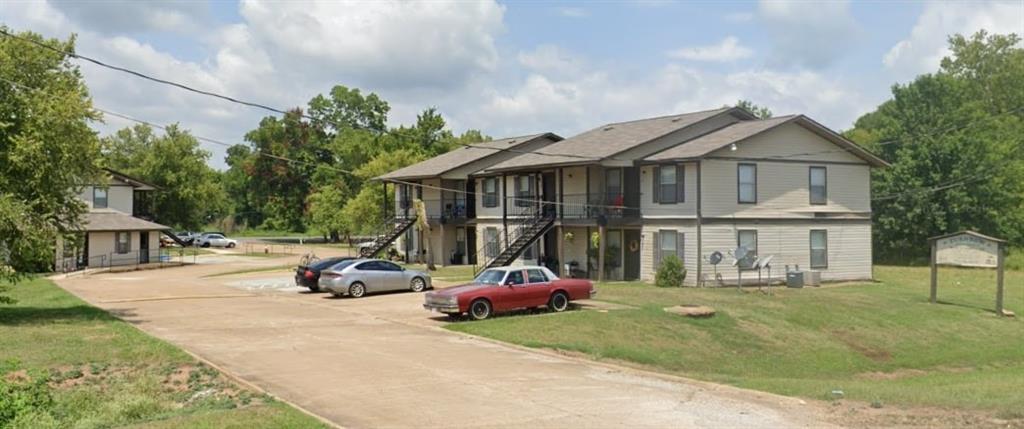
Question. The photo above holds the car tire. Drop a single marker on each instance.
(205, 245)
(559, 302)
(418, 284)
(314, 288)
(231, 245)
(480, 309)
(357, 290)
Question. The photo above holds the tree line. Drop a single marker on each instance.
(958, 163)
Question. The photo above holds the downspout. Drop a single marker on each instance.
(504, 206)
(700, 233)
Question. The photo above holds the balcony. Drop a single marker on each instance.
(594, 206)
(445, 210)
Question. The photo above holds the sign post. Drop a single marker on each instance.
(969, 249)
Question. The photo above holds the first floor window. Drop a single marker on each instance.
(122, 242)
(491, 238)
(99, 198)
(747, 239)
(819, 248)
(669, 242)
(531, 252)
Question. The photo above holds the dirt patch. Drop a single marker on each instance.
(893, 375)
(851, 341)
(863, 415)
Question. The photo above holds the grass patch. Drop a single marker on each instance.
(253, 270)
(450, 273)
(257, 232)
(64, 363)
(875, 341)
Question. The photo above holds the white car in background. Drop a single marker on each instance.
(215, 240)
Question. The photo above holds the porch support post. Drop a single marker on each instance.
(935, 275)
(600, 252)
(384, 209)
(443, 256)
(561, 199)
(1000, 261)
(561, 251)
(700, 234)
(504, 206)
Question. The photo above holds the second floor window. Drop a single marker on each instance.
(819, 185)
(99, 198)
(490, 192)
(746, 179)
(668, 184)
(524, 191)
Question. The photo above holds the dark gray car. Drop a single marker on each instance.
(363, 276)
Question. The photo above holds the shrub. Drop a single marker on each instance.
(20, 398)
(670, 273)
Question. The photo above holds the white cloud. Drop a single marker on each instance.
(573, 12)
(922, 51)
(729, 49)
(122, 16)
(808, 35)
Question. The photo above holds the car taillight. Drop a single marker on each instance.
(330, 275)
(309, 274)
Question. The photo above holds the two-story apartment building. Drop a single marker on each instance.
(688, 185)
(116, 229)
(450, 197)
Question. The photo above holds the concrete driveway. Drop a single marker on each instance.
(382, 361)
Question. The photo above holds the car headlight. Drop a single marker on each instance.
(451, 300)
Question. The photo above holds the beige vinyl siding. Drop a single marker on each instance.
(849, 247)
(575, 250)
(102, 248)
(487, 212)
(690, 254)
(789, 141)
(432, 197)
(783, 189)
(120, 196)
(652, 210)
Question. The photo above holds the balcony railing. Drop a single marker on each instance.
(593, 206)
(437, 209)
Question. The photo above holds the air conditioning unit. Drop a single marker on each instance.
(812, 278)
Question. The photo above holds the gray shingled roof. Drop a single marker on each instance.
(606, 140)
(113, 220)
(734, 133)
(459, 157)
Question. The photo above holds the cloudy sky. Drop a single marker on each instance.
(507, 68)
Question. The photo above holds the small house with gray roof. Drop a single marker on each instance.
(614, 201)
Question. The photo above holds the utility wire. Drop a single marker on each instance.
(396, 132)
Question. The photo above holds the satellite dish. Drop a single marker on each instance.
(715, 258)
(766, 261)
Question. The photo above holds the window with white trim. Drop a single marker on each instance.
(490, 192)
(819, 248)
(747, 238)
(99, 197)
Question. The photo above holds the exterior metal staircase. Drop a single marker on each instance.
(384, 240)
(529, 226)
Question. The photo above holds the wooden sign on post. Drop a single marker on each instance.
(969, 249)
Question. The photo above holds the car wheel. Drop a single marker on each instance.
(205, 245)
(357, 290)
(314, 288)
(559, 302)
(480, 309)
(231, 245)
(417, 284)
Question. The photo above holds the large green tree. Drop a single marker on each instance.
(955, 140)
(189, 194)
(47, 150)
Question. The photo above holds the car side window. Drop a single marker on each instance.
(536, 276)
(388, 266)
(515, 278)
(367, 266)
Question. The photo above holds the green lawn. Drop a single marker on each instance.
(64, 363)
(875, 341)
(451, 273)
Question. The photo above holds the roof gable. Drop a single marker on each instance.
(459, 157)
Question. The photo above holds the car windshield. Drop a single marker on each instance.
(490, 277)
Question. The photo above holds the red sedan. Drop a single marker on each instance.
(509, 288)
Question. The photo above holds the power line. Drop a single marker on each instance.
(397, 132)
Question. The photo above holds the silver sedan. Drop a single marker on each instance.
(359, 277)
